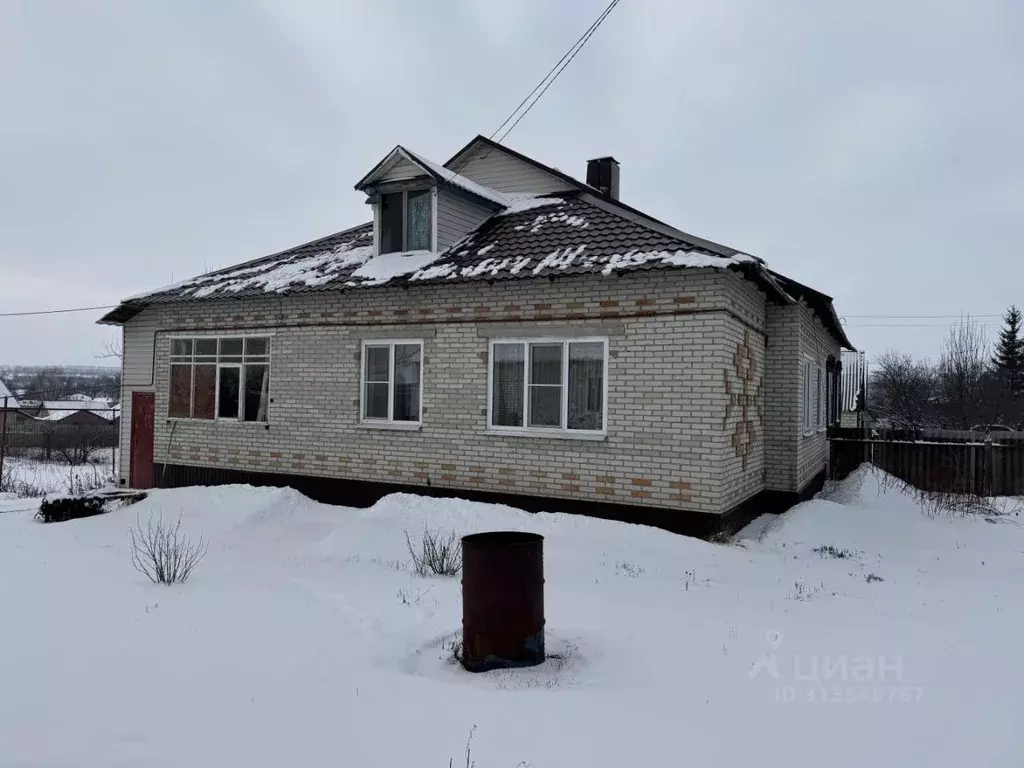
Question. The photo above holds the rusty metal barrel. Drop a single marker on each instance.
(502, 600)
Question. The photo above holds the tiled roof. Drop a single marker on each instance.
(564, 234)
(571, 234)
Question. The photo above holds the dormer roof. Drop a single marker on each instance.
(440, 175)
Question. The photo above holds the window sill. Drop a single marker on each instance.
(412, 426)
(549, 434)
(813, 432)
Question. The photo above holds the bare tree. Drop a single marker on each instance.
(112, 348)
(902, 390)
(961, 377)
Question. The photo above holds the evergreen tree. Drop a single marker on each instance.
(1009, 357)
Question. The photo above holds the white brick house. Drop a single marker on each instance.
(499, 330)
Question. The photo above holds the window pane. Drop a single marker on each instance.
(545, 363)
(586, 385)
(203, 392)
(545, 406)
(375, 401)
(417, 225)
(407, 382)
(227, 407)
(257, 347)
(257, 392)
(206, 347)
(179, 403)
(509, 370)
(377, 363)
(390, 215)
(181, 347)
(231, 350)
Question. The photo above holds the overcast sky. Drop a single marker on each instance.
(871, 149)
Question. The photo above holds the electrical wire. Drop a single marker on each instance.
(580, 42)
(56, 311)
(557, 70)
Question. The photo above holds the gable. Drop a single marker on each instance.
(493, 167)
(402, 169)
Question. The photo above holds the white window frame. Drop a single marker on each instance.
(555, 432)
(806, 365)
(390, 422)
(193, 337)
(819, 409)
(811, 398)
(405, 202)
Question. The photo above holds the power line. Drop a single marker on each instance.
(55, 311)
(553, 74)
(909, 325)
(921, 317)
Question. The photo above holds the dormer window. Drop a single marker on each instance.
(406, 220)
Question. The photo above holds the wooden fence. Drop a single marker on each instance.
(935, 460)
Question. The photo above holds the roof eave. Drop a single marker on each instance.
(121, 314)
(822, 304)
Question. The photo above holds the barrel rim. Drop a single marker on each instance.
(501, 539)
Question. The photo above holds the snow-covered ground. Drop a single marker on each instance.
(302, 639)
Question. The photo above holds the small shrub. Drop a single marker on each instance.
(873, 577)
(803, 593)
(82, 482)
(162, 553)
(633, 571)
(839, 553)
(14, 482)
(66, 508)
(438, 554)
(689, 577)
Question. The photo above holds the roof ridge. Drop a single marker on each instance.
(581, 186)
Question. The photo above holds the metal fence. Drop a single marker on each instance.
(941, 460)
(49, 440)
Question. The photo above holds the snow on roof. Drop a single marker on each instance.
(311, 270)
(520, 203)
(693, 259)
(309, 266)
(541, 219)
(6, 393)
(451, 177)
(380, 269)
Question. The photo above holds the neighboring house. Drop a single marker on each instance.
(499, 331)
(854, 389)
(7, 400)
(76, 409)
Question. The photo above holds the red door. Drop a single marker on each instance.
(140, 470)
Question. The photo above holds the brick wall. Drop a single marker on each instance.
(782, 398)
(675, 397)
(817, 344)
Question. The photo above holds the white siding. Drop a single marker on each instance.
(401, 171)
(505, 173)
(456, 216)
(139, 335)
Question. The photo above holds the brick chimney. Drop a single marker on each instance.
(603, 174)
